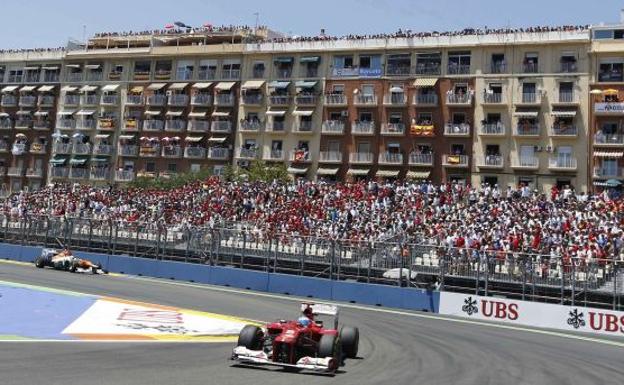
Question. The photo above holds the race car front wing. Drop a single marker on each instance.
(259, 357)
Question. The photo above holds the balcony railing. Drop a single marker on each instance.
(247, 153)
(27, 101)
(102, 149)
(335, 99)
(224, 100)
(361, 157)
(493, 129)
(608, 172)
(455, 160)
(16, 171)
(365, 100)
(59, 172)
(135, 100)
(156, 100)
(179, 100)
(333, 127)
(171, 151)
(34, 173)
(224, 127)
(531, 162)
(393, 129)
(391, 158)
(175, 125)
(201, 100)
(280, 100)
(252, 99)
(71, 100)
(128, 150)
(275, 155)
(603, 139)
(527, 130)
(363, 128)
(494, 161)
(4, 147)
(498, 68)
(562, 163)
(458, 69)
(395, 99)
(425, 99)
(218, 153)
(8, 101)
(101, 173)
(570, 131)
(305, 100)
(420, 159)
(124, 175)
(397, 70)
(330, 157)
(275, 127)
(95, 76)
(207, 74)
(299, 156)
(459, 99)
(568, 67)
(230, 74)
(457, 129)
(82, 149)
(6, 124)
(65, 124)
(23, 124)
(567, 98)
(46, 100)
(51, 77)
(109, 100)
(149, 151)
(531, 98)
(75, 77)
(250, 126)
(530, 68)
(89, 100)
(78, 173)
(195, 152)
(198, 125)
(492, 98)
(86, 124)
(303, 127)
(62, 148)
(153, 125)
(427, 69)
(184, 74)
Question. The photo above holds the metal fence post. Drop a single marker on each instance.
(573, 281)
(486, 284)
(331, 262)
(615, 281)
(478, 277)
(563, 269)
(242, 256)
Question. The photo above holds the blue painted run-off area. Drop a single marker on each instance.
(369, 294)
(31, 313)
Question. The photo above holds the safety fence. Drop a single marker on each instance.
(393, 261)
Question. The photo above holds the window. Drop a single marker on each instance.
(566, 87)
(15, 75)
(459, 62)
(528, 88)
(609, 166)
(258, 70)
(335, 115)
(492, 149)
(618, 34)
(599, 35)
(368, 89)
(490, 180)
(150, 167)
(611, 71)
(498, 63)
(195, 167)
(365, 61)
(276, 145)
(249, 143)
(338, 89)
(568, 62)
(395, 117)
(366, 116)
(425, 119)
(363, 147)
(428, 63)
(231, 69)
(184, 70)
(343, 61)
(142, 67)
(398, 64)
(496, 88)
(457, 149)
(531, 61)
(333, 146)
(609, 128)
(207, 69)
(459, 118)
(172, 167)
(527, 152)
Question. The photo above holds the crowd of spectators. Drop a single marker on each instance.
(36, 50)
(174, 30)
(514, 219)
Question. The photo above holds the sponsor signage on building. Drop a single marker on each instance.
(355, 72)
(525, 313)
(609, 108)
(370, 72)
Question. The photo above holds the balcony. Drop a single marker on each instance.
(62, 148)
(218, 153)
(458, 69)
(493, 98)
(608, 172)
(608, 140)
(459, 99)
(178, 100)
(303, 127)
(335, 100)
(391, 159)
(59, 172)
(100, 173)
(392, 129)
(427, 69)
(455, 161)
(398, 70)
(224, 100)
(221, 126)
(103, 149)
(156, 100)
(564, 131)
(71, 100)
(16, 171)
(175, 125)
(109, 100)
(491, 161)
(195, 152)
(201, 100)
(231, 74)
(34, 173)
(27, 101)
(46, 101)
(527, 130)
(78, 173)
(128, 150)
(251, 99)
(525, 163)
(562, 163)
(134, 100)
(82, 149)
(530, 68)
(566, 99)
(363, 128)
(86, 124)
(184, 74)
(247, 153)
(75, 77)
(330, 157)
(23, 124)
(115, 75)
(4, 147)
(95, 76)
(171, 151)
(365, 100)
(207, 74)
(361, 158)
(89, 100)
(492, 129)
(37, 148)
(498, 67)
(198, 125)
(300, 156)
(395, 99)
(51, 77)
(8, 101)
(306, 100)
(153, 125)
(250, 126)
(333, 127)
(457, 130)
(530, 98)
(280, 100)
(149, 151)
(131, 124)
(124, 175)
(162, 74)
(274, 155)
(428, 100)
(275, 127)
(568, 67)
(415, 159)
(6, 124)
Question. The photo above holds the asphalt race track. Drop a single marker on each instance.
(394, 348)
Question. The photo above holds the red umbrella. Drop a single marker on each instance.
(169, 26)
(208, 25)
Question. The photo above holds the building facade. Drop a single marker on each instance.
(540, 109)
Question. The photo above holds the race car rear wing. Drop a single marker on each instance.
(322, 309)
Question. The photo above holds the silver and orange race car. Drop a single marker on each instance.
(65, 260)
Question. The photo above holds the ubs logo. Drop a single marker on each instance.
(576, 319)
(470, 306)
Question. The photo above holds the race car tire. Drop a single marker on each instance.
(39, 262)
(251, 337)
(350, 338)
(73, 268)
(329, 346)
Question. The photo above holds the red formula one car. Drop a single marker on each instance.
(301, 344)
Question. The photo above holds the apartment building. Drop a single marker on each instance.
(499, 109)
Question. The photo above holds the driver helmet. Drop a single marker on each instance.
(304, 321)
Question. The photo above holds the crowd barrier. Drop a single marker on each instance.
(285, 284)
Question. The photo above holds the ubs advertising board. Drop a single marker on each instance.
(524, 313)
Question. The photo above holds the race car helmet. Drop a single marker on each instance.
(304, 321)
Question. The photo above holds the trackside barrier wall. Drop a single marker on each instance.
(534, 314)
(319, 288)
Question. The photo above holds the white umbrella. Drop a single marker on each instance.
(78, 135)
(394, 273)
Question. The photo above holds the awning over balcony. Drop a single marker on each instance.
(252, 84)
(224, 86)
(305, 84)
(73, 66)
(283, 59)
(276, 112)
(69, 89)
(178, 86)
(195, 114)
(23, 112)
(296, 170)
(31, 68)
(608, 154)
(387, 173)
(358, 171)
(58, 160)
(78, 160)
(100, 159)
(425, 82)
(221, 113)
(41, 113)
(88, 88)
(303, 112)
(110, 87)
(217, 139)
(279, 85)
(327, 171)
(201, 86)
(27, 88)
(66, 113)
(9, 88)
(4, 115)
(563, 114)
(85, 112)
(102, 136)
(156, 86)
(526, 114)
(418, 174)
(152, 112)
(50, 68)
(126, 137)
(310, 59)
(174, 113)
(194, 139)
(45, 88)
(92, 66)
